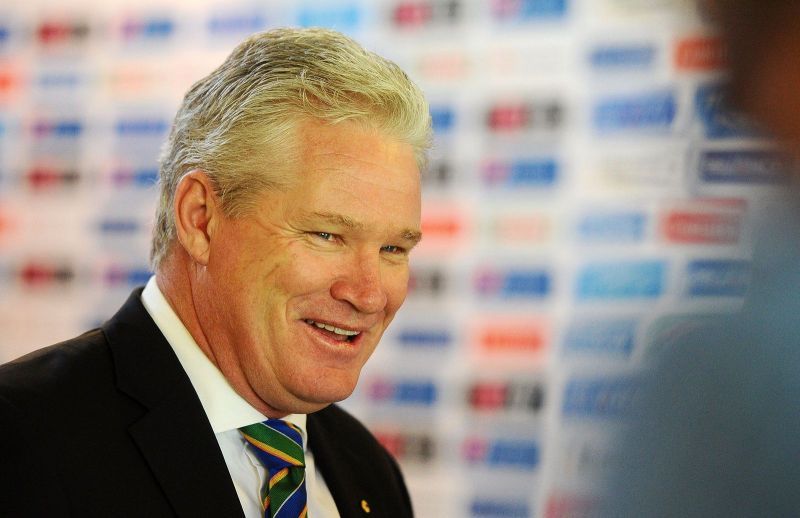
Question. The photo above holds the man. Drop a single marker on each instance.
(290, 200)
(719, 430)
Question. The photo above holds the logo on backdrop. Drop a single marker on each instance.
(614, 397)
(155, 29)
(717, 278)
(612, 58)
(408, 446)
(514, 283)
(420, 338)
(612, 227)
(519, 454)
(648, 111)
(344, 17)
(612, 338)
(418, 14)
(745, 167)
(497, 396)
(493, 508)
(236, 24)
(622, 280)
(405, 392)
(520, 172)
(528, 10)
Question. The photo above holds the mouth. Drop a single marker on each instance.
(336, 333)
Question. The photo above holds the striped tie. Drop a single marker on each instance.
(279, 447)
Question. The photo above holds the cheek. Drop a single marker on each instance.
(396, 286)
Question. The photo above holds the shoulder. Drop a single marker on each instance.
(57, 363)
(59, 377)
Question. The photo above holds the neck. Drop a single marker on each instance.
(177, 278)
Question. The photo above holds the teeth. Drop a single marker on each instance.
(333, 329)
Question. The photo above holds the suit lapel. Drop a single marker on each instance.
(335, 463)
(345, 468)
(173, 435)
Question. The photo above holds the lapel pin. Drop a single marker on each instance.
(365, 506)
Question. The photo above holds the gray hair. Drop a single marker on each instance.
(237, 123)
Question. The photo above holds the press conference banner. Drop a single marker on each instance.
(587, 190)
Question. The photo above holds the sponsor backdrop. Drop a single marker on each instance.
(586, 189)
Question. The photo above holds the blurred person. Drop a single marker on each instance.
(717, 427)
(289, 203)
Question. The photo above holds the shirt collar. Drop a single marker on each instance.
(225, 408)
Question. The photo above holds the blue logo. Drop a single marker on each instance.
(526, 172)
(612, 337)
(513, 453)
(54, 80)
(443, 118)
(404, 392)
(145, 177)
(623, 56)
(118, 275)
(749, 167)
(485, 508)
(141, 127)
(648, 111)
(620, 227)
(718, 278)
(119, 226)
(526, 10)
(149, 29)
(622, 280)
(514, 284)
(344, 18)
(601, 397)
(63, 128)
(236, 24)
(719, 120)
(430, 338)
(5, 34)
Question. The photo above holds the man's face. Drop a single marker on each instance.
(297, 294)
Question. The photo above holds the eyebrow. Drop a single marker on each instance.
(345, 221)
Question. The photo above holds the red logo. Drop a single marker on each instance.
(41, 178)
(8, 80)
(413, 14)
(488, 395)
(56, 32)
(700, 53)
(527, 337)
(567, 506)
(695, 227)
(40, 273)
(509, 117)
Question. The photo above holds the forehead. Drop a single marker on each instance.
(355, 173)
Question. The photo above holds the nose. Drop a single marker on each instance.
(360, 284)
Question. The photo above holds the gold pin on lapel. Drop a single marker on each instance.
(365, 506)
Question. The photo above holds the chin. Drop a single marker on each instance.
(326, 391)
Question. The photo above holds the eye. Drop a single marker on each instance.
(326, 236)
(393, 249)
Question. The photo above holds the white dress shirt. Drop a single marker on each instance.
(227, 412)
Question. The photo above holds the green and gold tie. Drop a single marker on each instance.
(279, 447)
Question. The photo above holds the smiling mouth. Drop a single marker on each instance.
(337, 333)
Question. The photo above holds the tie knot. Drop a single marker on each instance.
(279, 440)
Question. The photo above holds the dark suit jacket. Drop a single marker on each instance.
(108, 424)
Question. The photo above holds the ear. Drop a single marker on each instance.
(196, 211)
